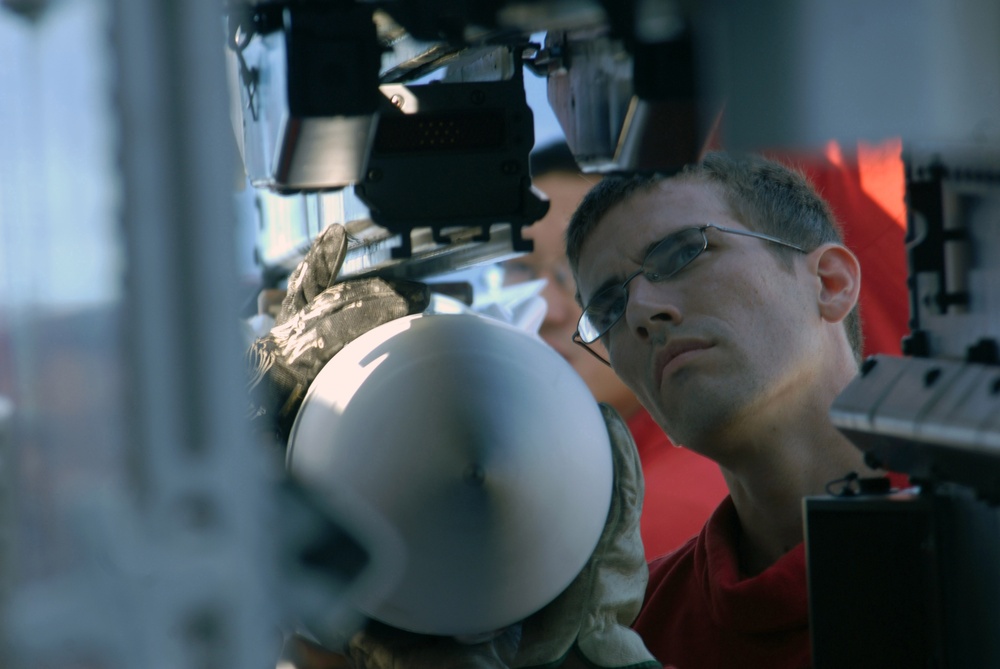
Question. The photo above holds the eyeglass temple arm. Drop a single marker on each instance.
(758, 235)
(579, 341)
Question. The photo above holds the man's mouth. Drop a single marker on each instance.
(674, 354)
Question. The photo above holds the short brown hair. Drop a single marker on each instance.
(764, 195)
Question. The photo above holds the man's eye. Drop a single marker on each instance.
(603, 307)
(686, 253)
(672, 259)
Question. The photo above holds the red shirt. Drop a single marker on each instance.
(700, 612)
(682, 488)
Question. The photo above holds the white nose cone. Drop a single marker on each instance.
(484, 450)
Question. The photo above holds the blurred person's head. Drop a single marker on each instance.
(556, 174)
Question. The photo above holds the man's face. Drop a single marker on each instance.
(720, 345)
(548, 261)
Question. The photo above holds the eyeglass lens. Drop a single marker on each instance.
(663, 261)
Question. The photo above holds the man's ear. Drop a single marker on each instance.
(839, 274)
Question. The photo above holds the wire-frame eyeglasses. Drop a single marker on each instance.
(665, 259)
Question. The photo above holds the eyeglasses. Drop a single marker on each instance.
(668, 257)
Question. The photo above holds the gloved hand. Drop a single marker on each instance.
(318, 317)
(592, 615)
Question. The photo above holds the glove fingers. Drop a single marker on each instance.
(299, 348)
(317, 271)
(341, 314)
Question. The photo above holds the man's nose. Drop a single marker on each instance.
(651, 306)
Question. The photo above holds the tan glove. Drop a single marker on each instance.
(592, 614)
(319, 316)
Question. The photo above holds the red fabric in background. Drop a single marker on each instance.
(865, 187)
